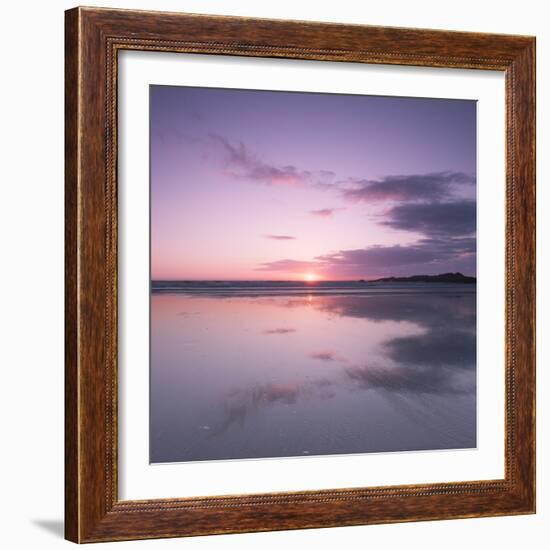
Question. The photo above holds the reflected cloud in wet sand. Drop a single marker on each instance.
(394, 373)
(279, 331)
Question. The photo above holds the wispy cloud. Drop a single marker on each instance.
(280, 237)
(323, 355)
(325, 212)
(241, 163)
(287, 266)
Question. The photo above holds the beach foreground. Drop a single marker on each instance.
(255, 369)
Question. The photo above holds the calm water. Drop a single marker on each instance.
(252, 370)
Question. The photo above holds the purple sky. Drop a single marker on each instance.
(286, 185)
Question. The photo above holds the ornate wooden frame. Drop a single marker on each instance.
(93, 511)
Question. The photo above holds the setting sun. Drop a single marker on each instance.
(310, 277)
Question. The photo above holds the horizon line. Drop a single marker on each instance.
(351, 280)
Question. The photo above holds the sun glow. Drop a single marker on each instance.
(310, 277)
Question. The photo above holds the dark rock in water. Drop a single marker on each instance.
(441, 278)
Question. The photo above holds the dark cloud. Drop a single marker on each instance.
(280, 237)
(426, 187)
(429, 255)
(456, 218)
(448, 226)
(424, 257)
(376, 257)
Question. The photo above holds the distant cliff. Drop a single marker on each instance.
(441, 278)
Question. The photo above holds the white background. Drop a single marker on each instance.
(31, 469)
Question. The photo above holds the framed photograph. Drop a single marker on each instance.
(300, 275)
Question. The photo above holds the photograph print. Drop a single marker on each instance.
(313, 274)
